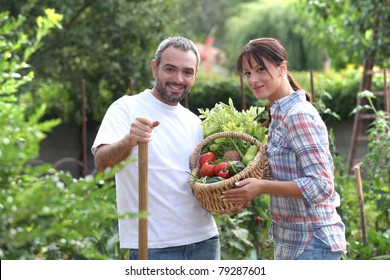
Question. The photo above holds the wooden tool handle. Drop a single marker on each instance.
(143, 200)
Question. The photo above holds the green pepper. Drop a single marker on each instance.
(250, 155)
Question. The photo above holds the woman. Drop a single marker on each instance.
(305, 223)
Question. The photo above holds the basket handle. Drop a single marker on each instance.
(204, 142)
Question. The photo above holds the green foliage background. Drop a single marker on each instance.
(48, 214)
(44, 213)
(108, 42)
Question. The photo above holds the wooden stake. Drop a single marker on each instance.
(143, 200)
(313, 93)
(359, 188)
(243, 97)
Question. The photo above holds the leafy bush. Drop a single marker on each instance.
(376, 165)
(377, 160)
(45, 213)
(245, 235)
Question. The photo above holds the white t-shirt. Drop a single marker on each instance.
(176, 218)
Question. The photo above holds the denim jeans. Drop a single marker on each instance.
(316, 250)
(205, 250)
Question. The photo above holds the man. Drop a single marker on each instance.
(178, 227)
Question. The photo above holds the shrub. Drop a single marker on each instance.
(45, 213)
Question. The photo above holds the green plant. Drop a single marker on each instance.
(234, 237)
(377, 160)
(45, 213)
(245, 235)
(376, 189)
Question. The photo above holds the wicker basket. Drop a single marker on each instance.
(209, 195)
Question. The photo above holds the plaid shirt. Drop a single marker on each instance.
(298, 150)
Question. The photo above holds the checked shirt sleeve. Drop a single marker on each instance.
(308, 138)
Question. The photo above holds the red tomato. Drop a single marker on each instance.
(220, 166)
(207, 169)
(206, 157)
(224, 173)
(258, 219)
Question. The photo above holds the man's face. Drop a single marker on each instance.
(175, 75)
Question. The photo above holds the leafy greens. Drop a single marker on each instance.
(225, 117)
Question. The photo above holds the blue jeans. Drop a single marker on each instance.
(205, 250)
(317, 250)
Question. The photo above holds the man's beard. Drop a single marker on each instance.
(173, 97)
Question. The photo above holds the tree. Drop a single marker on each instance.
(351, 31)
(104, 42)
(276, 19)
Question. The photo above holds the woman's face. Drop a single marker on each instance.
(264, 84)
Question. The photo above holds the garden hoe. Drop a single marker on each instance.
(143, 201)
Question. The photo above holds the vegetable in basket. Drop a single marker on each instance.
(207, 169)
(232, 155)
(235, 166)
(206, 157)
(214, 179)
(222, 170)
(220, 166)
(225, 117)
(250, 155)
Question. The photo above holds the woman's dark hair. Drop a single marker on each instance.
(271, 50)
